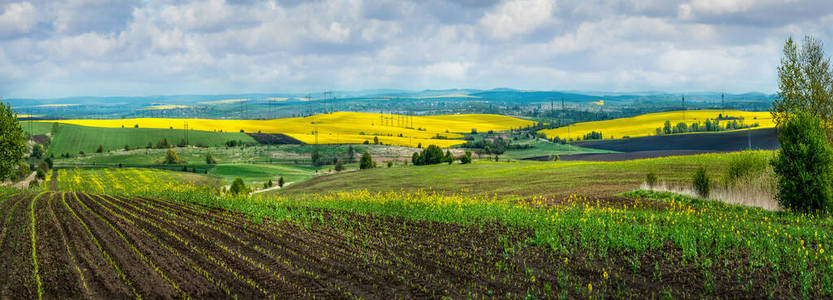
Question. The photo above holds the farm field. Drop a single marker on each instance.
(646, 125)
(128, 180)
(520, 179)
(259, 174)
(73, 138)
(338, 128)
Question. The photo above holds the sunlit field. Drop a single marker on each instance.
(645, 125)
(340, 127)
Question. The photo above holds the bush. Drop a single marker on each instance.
(281, 181)
(651, 179)
(100, 149)
(238, 187)
(40, 174)
(430, 156)
(339, 166)
(209, 159)
(744, 165)
(803, 165)
(555, 157)
(390, 163)
(171, 157)
(702, 182)
(366, 161)
(466, 158)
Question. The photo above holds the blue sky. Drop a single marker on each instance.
(137, 48)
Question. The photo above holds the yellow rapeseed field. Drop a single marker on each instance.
(340, 127)
(645, 125)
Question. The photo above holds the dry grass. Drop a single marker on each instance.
(752, 191)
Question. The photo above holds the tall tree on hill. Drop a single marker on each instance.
(366, 161)
(805, 83)
(12, 144)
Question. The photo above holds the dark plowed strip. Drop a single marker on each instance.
(232, 271)
(18, 280)
(54, 200)
(191, 276)
(265, 273)
(57, 269)
(143, 277)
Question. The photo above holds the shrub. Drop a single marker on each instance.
(651, 179)
(40, 174)
(269, 183)
(209, 159)
(430, 156)
(100, 149)
(366, 161)
(238, 187)
(281, 181)
(171, 157)
(803, 165)
(390, 163)
(744, 165)
(702, 182)
(466, 158)
(339, 166)
(555, 157)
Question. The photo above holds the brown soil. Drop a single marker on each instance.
(123, 247)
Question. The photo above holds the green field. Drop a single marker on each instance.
(36, 128)
(521, 178)
(72, 138)
(257, 174)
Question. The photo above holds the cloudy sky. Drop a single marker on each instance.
(123, 47)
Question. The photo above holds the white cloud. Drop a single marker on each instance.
(17, 19)
(515, 17)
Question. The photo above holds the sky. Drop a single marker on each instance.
(52, 49)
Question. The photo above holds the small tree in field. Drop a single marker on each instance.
(171, 157)
(339, 166)
(281, 181)
(238, 187)
(366, 161)
(803, 165)
(702, 182)
(100, 149)
(209, 159)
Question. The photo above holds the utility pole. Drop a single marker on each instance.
(722, 104)
(186, 133)
(683, 109)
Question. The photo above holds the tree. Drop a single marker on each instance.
(339, 166)
(366, 161)
(37, 151)
(280, 181)
(805, 83)
(126, 147)
(803, 165)
(269, 183)
(238, 187)
(162, 144)
(12, 144)
(375, 140)
(448, 157)
(171, 157)
(316, 157)
(209, 159)
(702, 183)
(351, 153)
(100, 149)
(466, 158)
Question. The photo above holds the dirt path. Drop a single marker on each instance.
(272, 188)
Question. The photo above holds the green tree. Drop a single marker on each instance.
(803, 165)
(702, 182)
(281, 182)
(316, 157)
(366, 161)
(100, 149)
(238, 187)
(209, 159)
(12, 144)
(339, 166)
(171, 157)
(466, 158)
(805, 83)
(37, 151)
(351, 153)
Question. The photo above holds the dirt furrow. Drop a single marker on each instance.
(17, 266)
(141, 276)
(232, 270)
(196, 273)
(56, 266)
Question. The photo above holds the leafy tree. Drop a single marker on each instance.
(366, 161)
(803, 165)
(339, 166)
(805, 83)
(431, 155)
(280, 181)
(12, 144)
(465, 158)
(702, 182)
(316, 157)
(238, 187)
(269, 183)
(209, 159)
(126, 147)
(448, 157)
(390, 163)
(375, 140)
(49, 162)
(37, 151)
(666, 128)
(351, 153)
(171, 157)
(100, 149)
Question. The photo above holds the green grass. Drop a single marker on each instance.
(36, 128)
(262, 173)
(72, 138)
(541, 148)
(522, 179)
